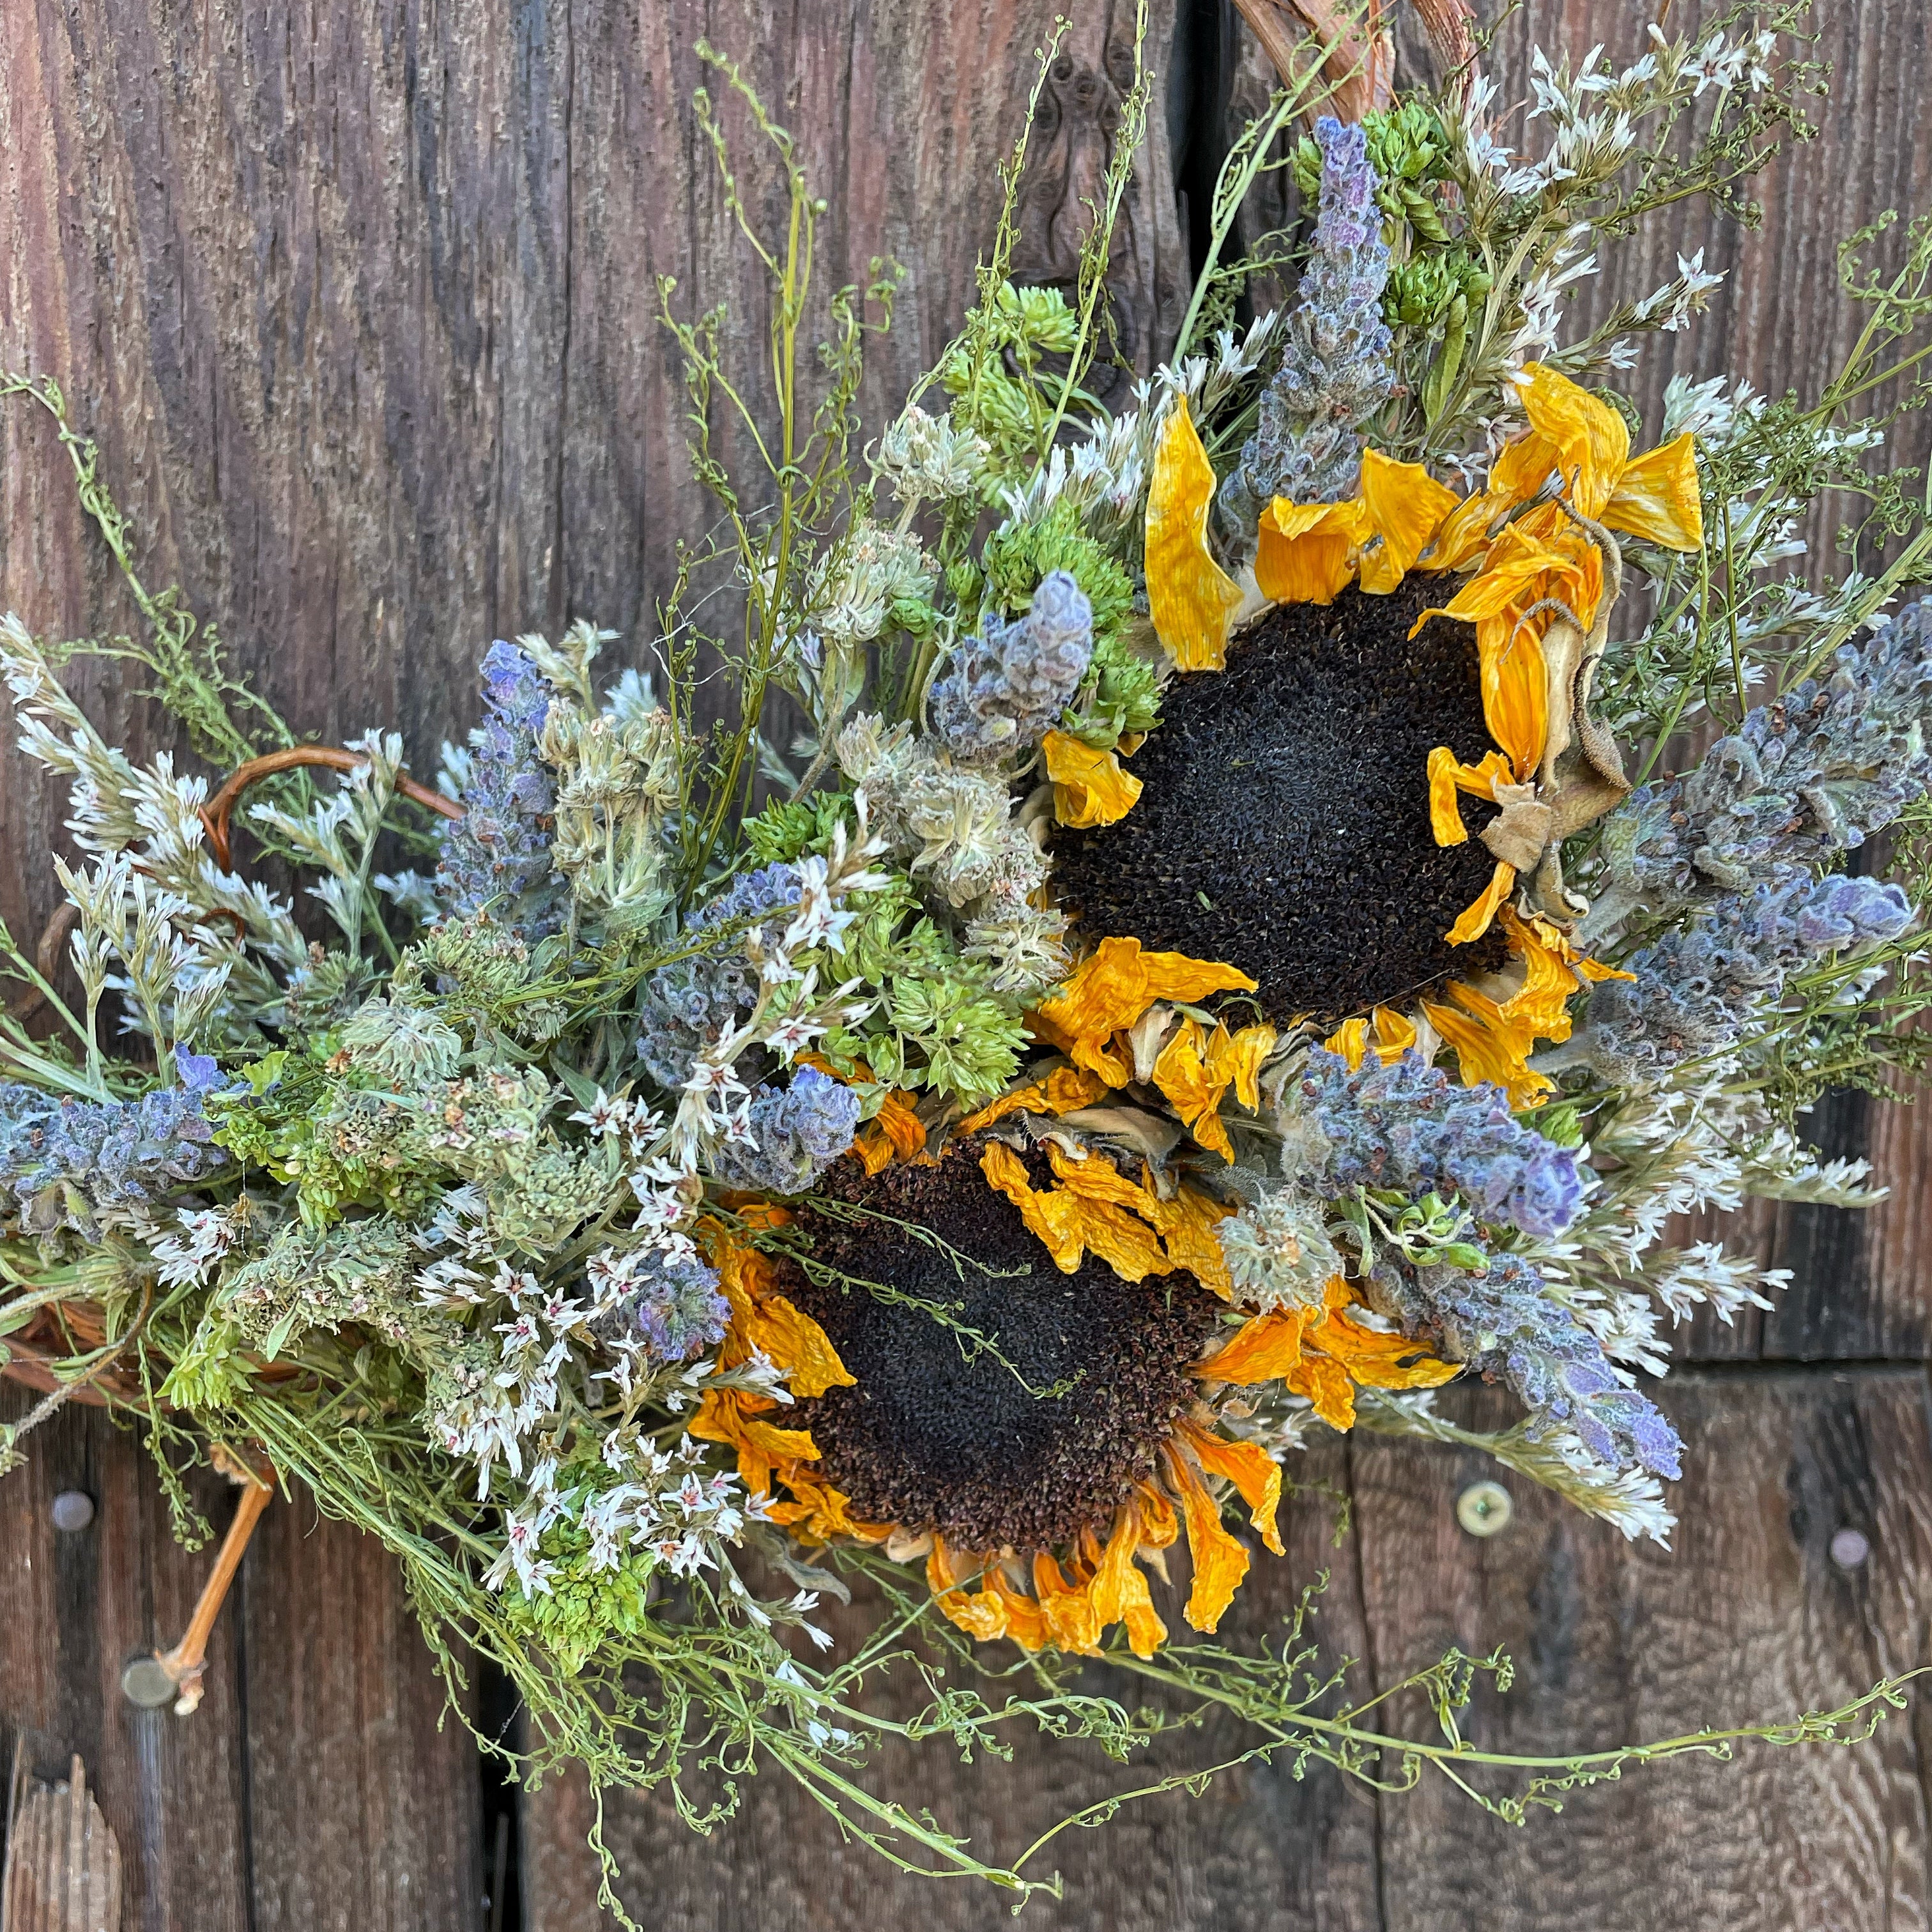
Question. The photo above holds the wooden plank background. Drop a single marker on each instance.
(358, 295)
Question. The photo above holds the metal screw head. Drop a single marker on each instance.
(1849, 1548)
(1483, 1509)
(144, 1682)
(72, 1510)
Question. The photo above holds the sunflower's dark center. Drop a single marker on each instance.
(929, 1438)
(1284, 826)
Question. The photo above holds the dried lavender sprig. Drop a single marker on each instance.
(1506, 1326)
(1814, 773)
(1409, 1128)
(1698, 990)
(691, 1004)
(83, 1166)
(796, 1132)
(1335, 371)
(1005, 688)
(497, 855)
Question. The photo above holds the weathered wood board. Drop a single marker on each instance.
(360, 300)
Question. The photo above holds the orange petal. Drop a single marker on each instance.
(1405, 507)
(1072, 1622)
(1121, 1593)
(1180, 1073)
(1326, 1385)
(1475, 921)
(1173, 975)
(1375, 1358)
(1306, 551)
(1447, 776)
(1063, 1090)
(1089, 786)
(1187, 1226)
(1190, 597)
(1234, 1060)
(1254, 1473)
(1220, 1562)
(1265, 1348)
(1657, 497)
(1516, 689)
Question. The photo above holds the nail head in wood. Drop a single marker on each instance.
(1483, 1509)
(72, 1510)
(1849, 1549)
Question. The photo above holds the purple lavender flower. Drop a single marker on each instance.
(690, 1004)
(1005, 687)
(1409, 1128)
(80, 1165)
(1505, 1324)
(497, 855)
(1816, 773)
(677, 1309)
(797, 1133)
(1696, 989)
(1335, 369)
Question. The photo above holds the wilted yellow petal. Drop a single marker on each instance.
(1657, 497)
(1326, 1385)
(1395, 1034)
(1351, 1040)
(1089, 786)
(796, 1344)
(1376, 1359)
(1190, 597)
(1475, 921)
(1220, 1562)
(1265, 1348)
(1448, 776)
(1584, 438)
(1173, 975)
(1186, 1224)
(1053, 1218)
(1306, 552)
(1180, 1073)
(1405, 506)
(1485, 1053)
(1063, 1090)
(1254, 1473)
(1072, 1624)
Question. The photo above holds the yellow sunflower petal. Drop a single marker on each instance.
(1265, 1348)
(1395, 1034)
(980, 1613)
(1220, 1562)
(1306, 552)
(1180, 1072)
(1448, 775)
(1485, 1053)
(1475, 920)
(1657, 497)
(1173, 975)
(1054, 1218)
(1121, 1593)
(1190, 597)
(1186, 1225)
(1516, 689)
(1089, 786)
(1325, 1383)
(1375, 1358)
(1351, 1040)
(1591, 444)
(1405, 507)
(1254, 1473)
(1063, 1090)
(1234, 1060)
(798, 1345)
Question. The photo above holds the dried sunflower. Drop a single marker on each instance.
(1414, 657)
(1036, 1434)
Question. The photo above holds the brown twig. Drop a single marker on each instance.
(46, 958)
(1358, 60)
(182, 1665)
(216, 814)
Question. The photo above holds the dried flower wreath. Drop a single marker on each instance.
(1221, 956)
